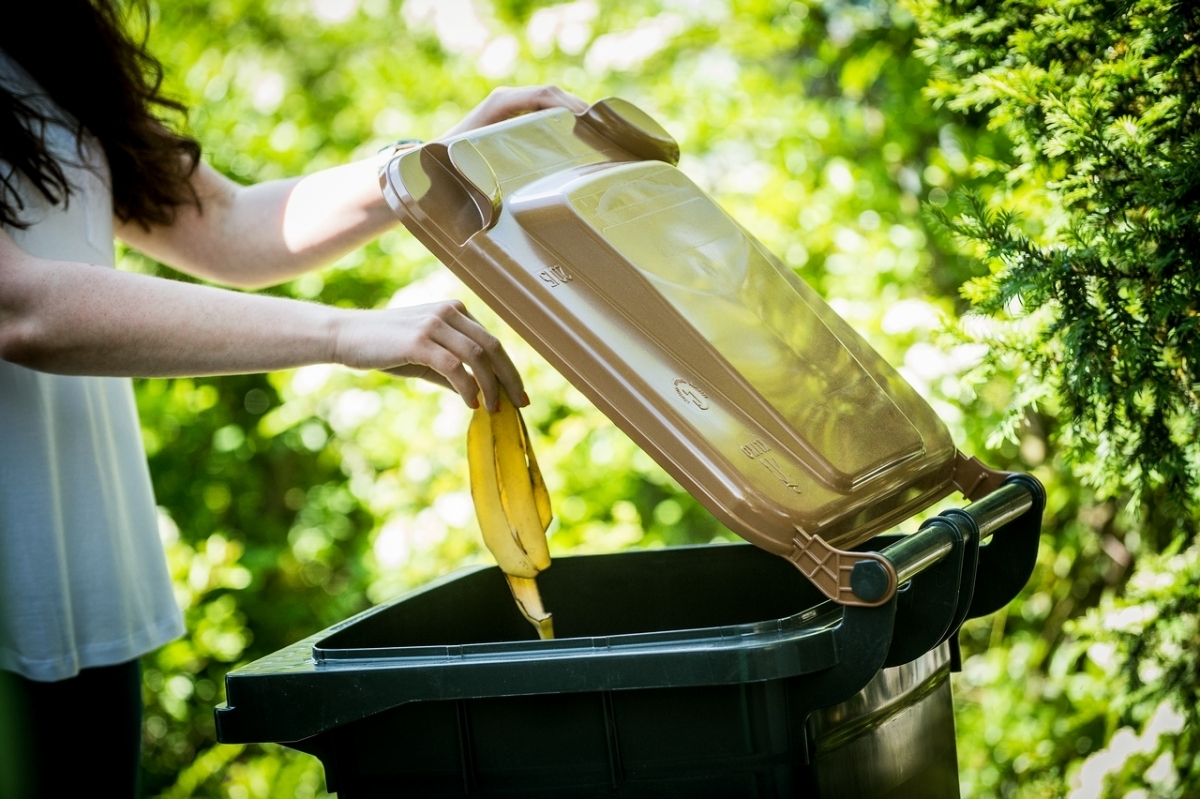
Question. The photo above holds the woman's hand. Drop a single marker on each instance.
(435, 342)
(505, 102)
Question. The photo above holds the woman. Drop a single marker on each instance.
(84, 589)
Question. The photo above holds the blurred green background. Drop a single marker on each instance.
(292, 500)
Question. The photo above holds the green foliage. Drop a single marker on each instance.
(1090, 232)
(1149, 636)
(1099, 101)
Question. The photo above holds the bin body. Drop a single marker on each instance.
(683, 672)
(719, 671)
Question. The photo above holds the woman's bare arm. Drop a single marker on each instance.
(75, 318)
(255, 236)
(260, 235)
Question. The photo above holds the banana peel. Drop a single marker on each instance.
(512, 504)
(514, 467)
(529, 601)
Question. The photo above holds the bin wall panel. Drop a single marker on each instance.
(553, 741)
(910, 754)
(419, 739)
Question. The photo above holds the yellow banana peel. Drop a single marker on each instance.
(511, 447)
(511, 503)
(540, 495)
(529, 601)
(498, 534)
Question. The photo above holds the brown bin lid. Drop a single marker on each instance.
(713, 356)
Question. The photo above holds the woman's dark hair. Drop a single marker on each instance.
(82, 54)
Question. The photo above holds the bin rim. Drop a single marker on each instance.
(260, 696)
(814, 619)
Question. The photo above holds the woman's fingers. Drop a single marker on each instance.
(506, 102)
(485, 355)
(440, 342)
(535, 98)
(420, 372)
(467, 352)
(455, 378)
(447, 351)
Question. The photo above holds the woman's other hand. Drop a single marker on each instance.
(505, 102)
(435, 342)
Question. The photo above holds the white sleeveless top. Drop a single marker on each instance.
(83, 578)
